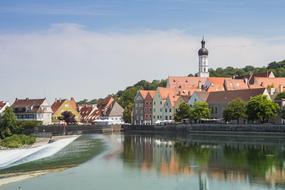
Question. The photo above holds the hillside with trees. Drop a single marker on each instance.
(278, 68)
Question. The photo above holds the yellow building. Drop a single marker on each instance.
(62, 105)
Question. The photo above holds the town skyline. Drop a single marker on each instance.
(88, 51)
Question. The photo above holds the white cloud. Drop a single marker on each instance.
(69, 60)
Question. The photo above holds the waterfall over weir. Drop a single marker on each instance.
(14, 157)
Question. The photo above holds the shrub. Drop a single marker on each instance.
(16, 141)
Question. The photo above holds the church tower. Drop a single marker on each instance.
(203, 60)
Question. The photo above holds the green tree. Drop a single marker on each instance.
(282, 113)
(68, 117)
(235, 110)
(280, 96)
(261, 108)
(183, 112)
(200, 110)
(127, 114)
(8, 123)
(127, 96)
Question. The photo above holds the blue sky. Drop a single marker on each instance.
(219, 17)
(89, 49)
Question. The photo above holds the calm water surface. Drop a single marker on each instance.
(153, 162)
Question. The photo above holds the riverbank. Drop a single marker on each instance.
(11, 178)
(265, 129)
(39, 141)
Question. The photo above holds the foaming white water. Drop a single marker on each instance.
(14, 157)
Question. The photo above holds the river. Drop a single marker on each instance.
(157, 161)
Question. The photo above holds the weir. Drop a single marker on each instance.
(14, 157)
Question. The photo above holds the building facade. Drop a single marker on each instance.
(109, 112)
(158, 102)
(62, 105)
(148, 104)
(218, 101)
(33, 110)
(138, 116)
(199, 96)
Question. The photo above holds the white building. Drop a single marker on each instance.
(33, 110)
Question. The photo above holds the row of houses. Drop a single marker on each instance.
(108, 112)
(157, 106)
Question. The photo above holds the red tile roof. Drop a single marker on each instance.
(266, 74)
(56, 105)
(164, 92)
(173, 99)
(152, 93)
(227, 96)
(217, 84)
(264, 82)
(185, 82)
(145, 92)
(203, 95)
(107, 102)
(2, 104)
(33, 104)
(235, 84)
(85, 112)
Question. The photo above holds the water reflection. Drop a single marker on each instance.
(254, 161)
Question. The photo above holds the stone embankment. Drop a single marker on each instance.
(210, 128)
(46, 130)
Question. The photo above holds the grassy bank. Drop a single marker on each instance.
(16, 141)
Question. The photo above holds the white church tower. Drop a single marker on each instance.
(203, 60)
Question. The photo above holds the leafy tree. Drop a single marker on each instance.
(278, 69)
(8, 123)
(280, 96)
(235, 110)
(282, 113)
(183, 112)
(126, 97)
(261, 108)
(200, 110)
(127, 114)
(86, 101)
(68, 117)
